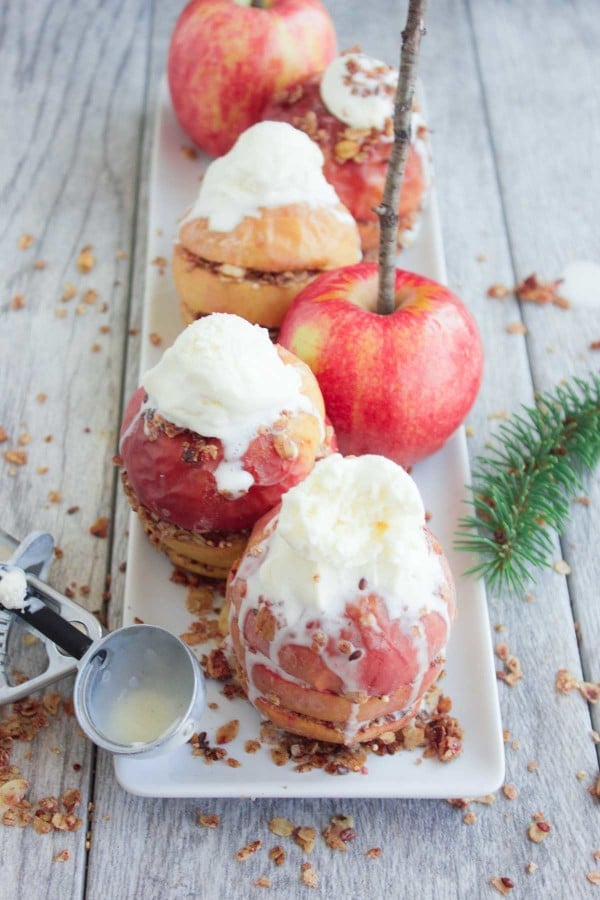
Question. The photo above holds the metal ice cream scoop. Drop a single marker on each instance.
(139, 690)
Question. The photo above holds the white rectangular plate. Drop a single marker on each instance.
(150, 596)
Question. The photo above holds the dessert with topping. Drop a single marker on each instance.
(340, 608)
(265, 223)
(348, 111)
(221, 427)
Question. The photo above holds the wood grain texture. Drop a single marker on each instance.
(71, 92)
(81, 95)
(424, 844)
(545, 143)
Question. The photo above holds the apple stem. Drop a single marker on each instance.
(259, 4)
(388, 210)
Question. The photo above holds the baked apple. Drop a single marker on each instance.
(348, 110)
(221, 427)
(340, 608)
(264, 225)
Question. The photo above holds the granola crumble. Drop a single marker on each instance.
(277, 855)
(308, 875)
(502, 884)
(248, 851)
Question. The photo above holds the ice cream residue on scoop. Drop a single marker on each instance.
(13, 588)
(223, 378)
(271, 164)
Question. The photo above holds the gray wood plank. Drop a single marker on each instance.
(427, 850)
(71, 94)
(544, 102)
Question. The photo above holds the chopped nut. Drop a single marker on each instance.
(339, 832)
(562, 567)
(155, 338)
(15, 457)
(252, 746)
(594, 876)
(532, 766)
(509, 791)
(100, 527)
(346, 149)
(55, 497)
(281, 827)
(90, 296)
(305, 837)
(12, 792)
(565, 682)
(69, 291)
(277, 855)
(279, 756)
(199, 599)
(498, 291)
(228, 732)
(538, 832)
(516, 328)
(502, 884)
(308, 875)
(86, 259)
(248, 851)
(17, 302)
(208, 820)
(51, 702)
(533, 290)
(531, 867)
(263, 881)
(25, 241)
(63, 856)
(470, 818)
(374, 852)
(189, 152)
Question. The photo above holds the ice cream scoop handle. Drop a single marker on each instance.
(56, 629)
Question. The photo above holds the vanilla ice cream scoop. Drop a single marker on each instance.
(271, 164)
(359, 90)
(352, 520)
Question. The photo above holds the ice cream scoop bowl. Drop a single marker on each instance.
(138, 691)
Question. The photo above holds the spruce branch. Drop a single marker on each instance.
(521, 492)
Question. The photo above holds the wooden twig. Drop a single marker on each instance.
(388, 210)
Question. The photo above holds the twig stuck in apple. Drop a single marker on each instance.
(388, 210)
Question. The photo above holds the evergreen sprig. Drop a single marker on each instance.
(521, 492)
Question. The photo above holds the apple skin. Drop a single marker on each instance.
(398, 384)
(226, 60)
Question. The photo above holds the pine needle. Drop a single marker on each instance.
(522, 490)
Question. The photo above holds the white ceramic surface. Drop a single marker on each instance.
(470, 680)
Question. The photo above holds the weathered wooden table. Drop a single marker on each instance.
(514, 108)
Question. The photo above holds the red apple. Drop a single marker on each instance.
(227, 58)
(397, 385)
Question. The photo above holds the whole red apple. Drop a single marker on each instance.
(228, 57)
(397, 384)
